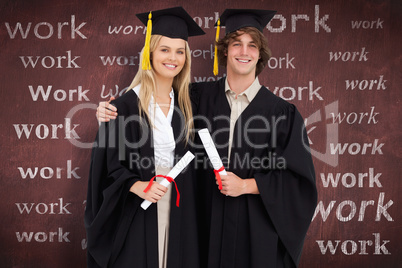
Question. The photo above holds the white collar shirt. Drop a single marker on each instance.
(163, 138)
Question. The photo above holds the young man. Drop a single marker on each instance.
(261, 215)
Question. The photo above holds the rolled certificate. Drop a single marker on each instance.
(212, 153)
(176, 170)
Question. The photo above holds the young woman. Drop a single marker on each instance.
(149, 136)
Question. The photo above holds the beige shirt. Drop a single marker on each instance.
(239, 104)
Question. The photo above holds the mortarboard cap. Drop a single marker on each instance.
(172, 22)
(235, 19)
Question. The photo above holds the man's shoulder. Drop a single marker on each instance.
(277, 103)
(202, 91)
(207, 86)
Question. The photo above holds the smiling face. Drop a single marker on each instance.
(169, 57)
(242, 56)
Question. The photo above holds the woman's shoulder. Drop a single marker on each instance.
(126, 101)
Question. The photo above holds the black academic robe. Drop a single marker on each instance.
(268, 229)
(119, 232)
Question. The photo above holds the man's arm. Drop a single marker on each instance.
(106, 111)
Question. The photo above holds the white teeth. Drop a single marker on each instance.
(244, 61)
(170, 66)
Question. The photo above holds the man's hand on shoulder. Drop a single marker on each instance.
(106, 111)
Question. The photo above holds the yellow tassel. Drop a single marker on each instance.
(216, 48)
(146, 62)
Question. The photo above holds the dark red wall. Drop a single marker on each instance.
(320, 50)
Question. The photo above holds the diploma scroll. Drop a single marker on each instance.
(176, 170)
(212, 153)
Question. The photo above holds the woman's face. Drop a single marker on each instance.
(169, 57)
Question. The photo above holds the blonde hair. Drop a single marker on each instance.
(180, 85)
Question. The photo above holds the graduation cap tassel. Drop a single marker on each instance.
(146, 62)
(218, 28)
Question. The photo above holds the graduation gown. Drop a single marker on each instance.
(119, 232)
(266, 229)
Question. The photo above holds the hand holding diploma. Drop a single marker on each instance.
(176, 170)
(213, 155)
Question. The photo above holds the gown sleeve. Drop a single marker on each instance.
(194, 97)
(289, 192)
(108, 188)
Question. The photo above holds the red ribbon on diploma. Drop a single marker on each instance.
(170, 179)
(218, 176)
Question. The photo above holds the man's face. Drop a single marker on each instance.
(242, 56)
